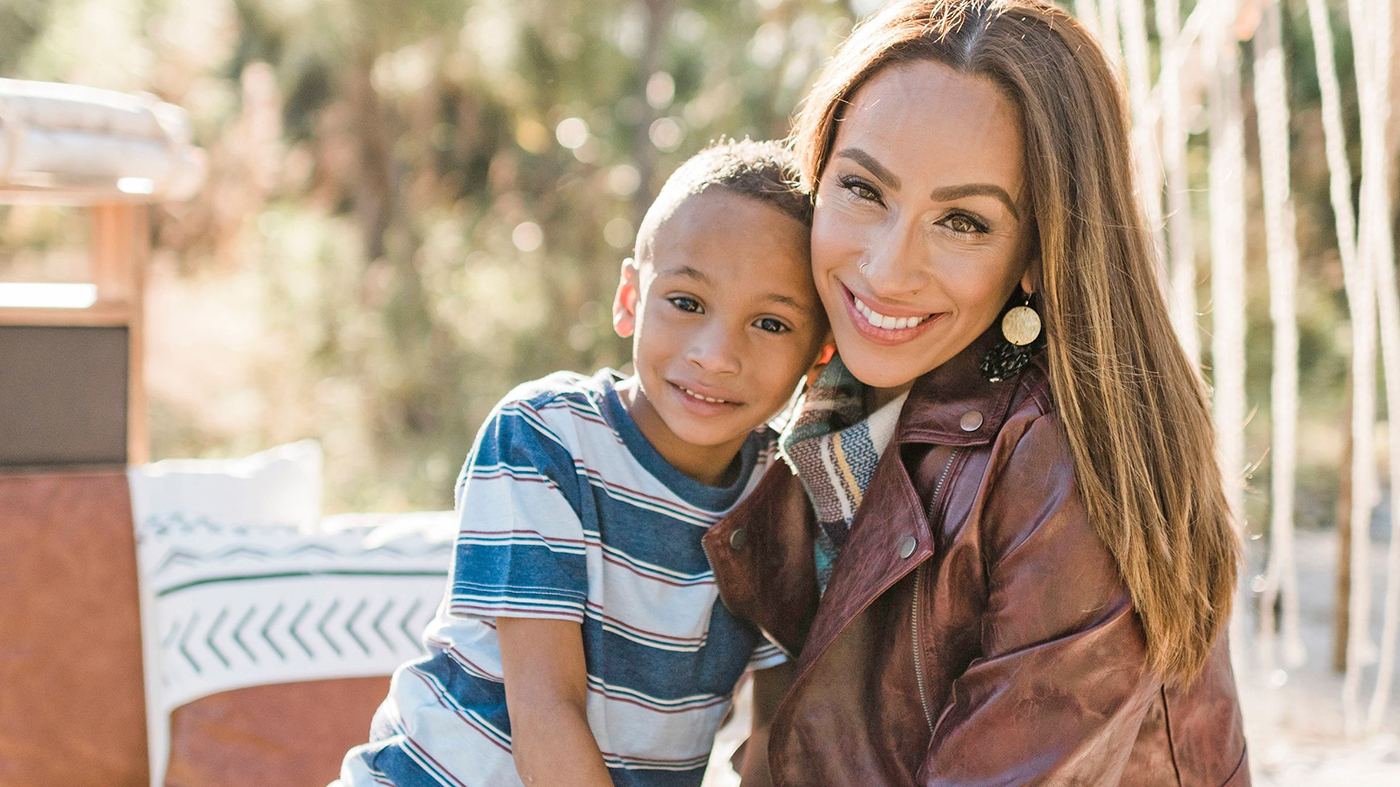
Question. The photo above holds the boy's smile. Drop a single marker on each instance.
(725, 320)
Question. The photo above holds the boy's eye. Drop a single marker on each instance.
(685, 304)
(771, 325)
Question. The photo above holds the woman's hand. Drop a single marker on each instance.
(547, 698)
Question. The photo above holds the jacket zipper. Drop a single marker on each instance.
(918, 593)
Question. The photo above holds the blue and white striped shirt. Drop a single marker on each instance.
(568, 513)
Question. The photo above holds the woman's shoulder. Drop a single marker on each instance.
(1031, 438)
(1028, 491)
(1033, 397)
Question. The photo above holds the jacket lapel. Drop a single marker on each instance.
(949, 408)
(762, 556)
(889, 537)
(954, 404)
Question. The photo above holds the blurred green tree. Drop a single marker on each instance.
(413, 206)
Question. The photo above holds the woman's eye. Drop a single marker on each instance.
(685, 304)
(859, 189)
(963, 224)
(771, 325)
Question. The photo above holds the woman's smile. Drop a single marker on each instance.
(885, 325)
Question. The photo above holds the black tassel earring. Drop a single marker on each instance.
(1022, 338)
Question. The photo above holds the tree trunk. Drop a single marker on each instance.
(1087, 11)
(1377, 171)
(1227, 276)
(1342, 603)
(1109, 31)
(658, 19)
(1271, 100)
(1353, 503)
(1145, 151)
(373, 184)
(1361, 293)
(1180, 232)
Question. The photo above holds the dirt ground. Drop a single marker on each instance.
(1293, 718)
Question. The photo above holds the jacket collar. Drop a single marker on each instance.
(955, 404)
(951, 407)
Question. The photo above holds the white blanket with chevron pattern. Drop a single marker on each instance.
(264, 596)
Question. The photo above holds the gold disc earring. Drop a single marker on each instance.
(1021, 325)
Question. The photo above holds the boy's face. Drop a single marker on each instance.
(724, 320)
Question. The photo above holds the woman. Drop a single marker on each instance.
(1020, 565)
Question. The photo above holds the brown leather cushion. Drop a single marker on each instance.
(286, 735)
(72, 711)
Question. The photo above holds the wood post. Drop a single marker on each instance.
(120, 251)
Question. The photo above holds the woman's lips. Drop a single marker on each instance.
(862, 318)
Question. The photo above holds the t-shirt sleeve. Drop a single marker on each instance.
(520, 543)
(765, 655)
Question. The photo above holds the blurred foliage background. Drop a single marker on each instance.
(414, 205)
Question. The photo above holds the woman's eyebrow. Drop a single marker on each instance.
(868, 161)
(944, 194)
(949, 193)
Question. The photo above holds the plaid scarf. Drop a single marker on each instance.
(833, 446)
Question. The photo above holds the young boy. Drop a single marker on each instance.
(582, 640)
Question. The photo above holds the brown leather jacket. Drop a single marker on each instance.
(975, 631)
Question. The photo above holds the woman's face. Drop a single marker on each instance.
(921, 231)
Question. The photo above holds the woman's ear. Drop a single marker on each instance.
(1031, 277)
(625, 301)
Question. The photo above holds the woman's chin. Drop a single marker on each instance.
(877, 371)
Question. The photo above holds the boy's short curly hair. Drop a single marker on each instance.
(762, 170)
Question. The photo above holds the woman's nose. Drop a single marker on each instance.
(895, 262)
(715, 350)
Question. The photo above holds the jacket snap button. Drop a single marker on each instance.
(739, 539)
(906, 547)
(971, 421)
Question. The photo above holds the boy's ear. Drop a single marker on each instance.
(625, 301)
(823, 358)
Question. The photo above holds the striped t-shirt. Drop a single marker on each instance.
(567, 512)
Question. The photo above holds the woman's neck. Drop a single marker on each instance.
(875, 398)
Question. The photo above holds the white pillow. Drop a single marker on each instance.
(280, 486)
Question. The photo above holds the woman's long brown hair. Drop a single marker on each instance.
(1133, 406)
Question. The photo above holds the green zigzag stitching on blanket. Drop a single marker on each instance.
(311, 627)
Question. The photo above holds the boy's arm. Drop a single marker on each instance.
(769, 686)
(547, 699)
